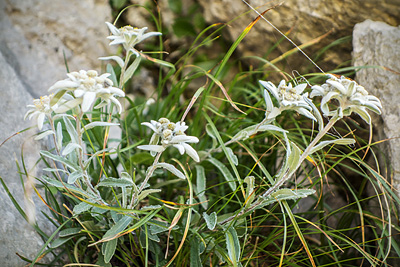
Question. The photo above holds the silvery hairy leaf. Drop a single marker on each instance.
(211, 220)
(341, 141)
(172, 169)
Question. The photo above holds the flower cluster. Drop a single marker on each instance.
(171, 134)
(86, 87)
(351, 97)
(40, 109)
(288, 97)
(129, 36)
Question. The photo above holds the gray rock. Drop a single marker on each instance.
(16, 235)
(378, 44)
(307, 19)
(34, 36)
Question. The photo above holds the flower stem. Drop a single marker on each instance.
(149, 173)
(80, 152)
(288, 175)
(121, 77)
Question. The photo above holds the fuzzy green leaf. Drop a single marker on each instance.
(131, 70)
(62, 160)
(115, 182)
(43, 134)
(69, 148)
(70, 231)
(200, 180)
(147, 192)
(294, 157)
(112, 77)
(225, 172)
(109, 250)
(195, 260)
(286, 194)
(172, 169)
(232, 156)
(117, 228)
(59, 135)
(341, 141)
(99, 123)
(211, 220)
(233, 245)
(82, 207)
(71, 130)
(74, 176)
(60, 241)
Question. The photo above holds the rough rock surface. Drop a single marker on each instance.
(378, 44)
(34, 35)
(308, 18)
(15, 232)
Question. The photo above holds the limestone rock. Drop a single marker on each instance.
(378, 44)
(308, 18)
(34, 36)
(15, 232)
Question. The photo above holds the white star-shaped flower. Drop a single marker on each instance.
(351, 97)
(171, 134)
(288, 97)
(40, 109)
(86, 87)
(129, 36)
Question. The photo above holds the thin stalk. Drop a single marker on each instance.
(288, 175)
(55, 139)
(149, 173)
(121, 77)
(304, 155)
(80, 152)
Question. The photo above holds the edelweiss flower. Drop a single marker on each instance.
(129, 36)
(288, 98)
(351, 96)
(86, 87)
(171, 134)
(40, 109)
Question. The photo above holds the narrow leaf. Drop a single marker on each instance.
(60, 241)
(44, 134)
(147, 192)
(211, 220)
(294, 157)
(117, 228)
(99, 123)
(112, 77)
(82, 207)
(225, 172)
(71, 130)
(74, 176)
(286, 194)
(109, 250)
(172, 169)
(68, 163)
(131, 70)
(200, 180)
(115, 182)
(69, 148)
(70, 231)
(341, 141)
(195, 260)
(59, 135)
(115, 58)
(232, 244)
(232, 156)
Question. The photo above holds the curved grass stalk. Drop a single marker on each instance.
(189, 217)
